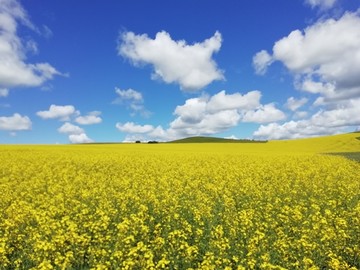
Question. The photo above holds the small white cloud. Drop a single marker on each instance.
(90, 119)
(322, 4)
(15, 123)
(264, 114)
(62, 113)
(261, 61)
(191, 66)
(129, 94)
(133, 100)
(4, 92)
(69, 128)
(14, 71)
(222, 101)
(232, 137)
(130, 127)
(80, 138)
(294, 104)
(76, 133)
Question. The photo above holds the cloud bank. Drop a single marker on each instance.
(324, 59)
(207, 115)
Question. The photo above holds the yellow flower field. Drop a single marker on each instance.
(279, 205)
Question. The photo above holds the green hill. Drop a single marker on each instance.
(202, 139)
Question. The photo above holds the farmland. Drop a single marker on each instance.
(274, 205)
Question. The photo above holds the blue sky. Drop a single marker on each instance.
(112, 71)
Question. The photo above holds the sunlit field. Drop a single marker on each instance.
(275, 205)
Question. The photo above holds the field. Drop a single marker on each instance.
(274, 205)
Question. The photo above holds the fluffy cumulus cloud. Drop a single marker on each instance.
(222, 101)
(62, 113)
(325, 61)
(90, 119)
(14, 70)
(322, 4)
(79, 138)
(69, 128)
(210, 115)
(325, 57)
(206, 115)
(16, 122)
(76, 133)
(191, 66)
(66, 113)
(131, 127)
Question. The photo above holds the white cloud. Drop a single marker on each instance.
(325, 57)
(261, 61)
(80, 138)
(294, 104)
(324, 122)
(209, 124)
(322, 4)
(208, 115)
(15, 123)
(193, 110)
(76, 133)
(4, 92)
(69, 128)
(133, 100)
(264, 114)
(222, 101)
(291, 130)
(300, 114)
(90, 119)
(313, 87)
(129, 94)
(191, 66)
(160, 134)
(14, 71)
(63, 113)
(232, 137)
(130, 127)
(196, 110)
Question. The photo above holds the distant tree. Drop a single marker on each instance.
(138, 142)
(152, 141)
